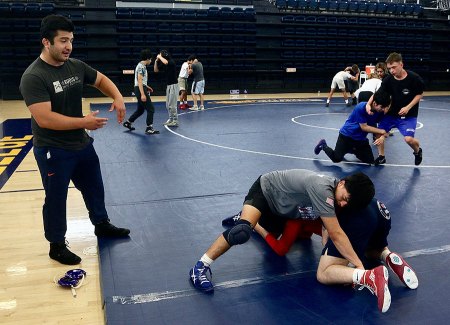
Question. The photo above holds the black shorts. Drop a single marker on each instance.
(364, 96)
(270, 221)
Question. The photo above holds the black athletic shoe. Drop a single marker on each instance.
(380, 160)
(150, 130)
(231, 221)
(354, 101)
(418, 157)
(60, 253)
(107, 229)
(128, 125)
(348, 104)
(327, 105)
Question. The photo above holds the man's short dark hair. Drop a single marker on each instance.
(146, 54)
(191, 57)
(361, 190)
(355, 69)
(51, 24)
(165, 54)
(382, 98)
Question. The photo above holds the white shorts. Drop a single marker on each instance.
(338, 83)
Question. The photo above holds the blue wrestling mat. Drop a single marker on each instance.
(173, 189)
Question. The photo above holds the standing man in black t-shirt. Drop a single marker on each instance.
(52, 87)
(165, 63)
(406, 88)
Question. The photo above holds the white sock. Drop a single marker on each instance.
(358, 276)
(328, 101)
(346, 101)
(185, 102)
(384, 255)
(206, 260)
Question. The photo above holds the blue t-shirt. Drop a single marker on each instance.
(359, 115)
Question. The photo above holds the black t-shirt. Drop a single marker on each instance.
(63, 87)
(403, 92)
(171, 73)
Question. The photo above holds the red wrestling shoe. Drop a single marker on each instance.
(376, 280)
(404, 272)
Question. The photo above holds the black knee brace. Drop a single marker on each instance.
(239, 234)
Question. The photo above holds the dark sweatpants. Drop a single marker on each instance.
(58, 167)
(344, 145)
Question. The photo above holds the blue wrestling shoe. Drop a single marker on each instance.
(231, 221)
(199, 277)
(322, 143)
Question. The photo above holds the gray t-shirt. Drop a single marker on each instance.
(197, 71)
(63, 87)
(299, 193)
(141, 69)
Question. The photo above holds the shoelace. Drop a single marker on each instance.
(362, 286)
(203, 271)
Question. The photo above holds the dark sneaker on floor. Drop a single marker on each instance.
(60, 253)
(354, 101)
(418, 157)
(348, 104)
(231, 221)
(107, 229)
(380, 160)
(150, 130)
(327, 105)
(128, 126)
(322, 143)
(199, 279)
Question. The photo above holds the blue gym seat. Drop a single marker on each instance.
(353, 6)
(381, 8)
(391, 8)
(302, 4)
(362, 6)
(281, 4)
(33, 9)
(4, 8)
(333, 5)
(400, 9)
(323, 5)
(313, 5)
(17, 8)
(292, 4)
(213, 12)
(343, 5)
(123, 13)
(372, 7)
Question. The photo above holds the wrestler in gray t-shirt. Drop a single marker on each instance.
(299, 193)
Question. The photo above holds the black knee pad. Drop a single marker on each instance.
(239, 234)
